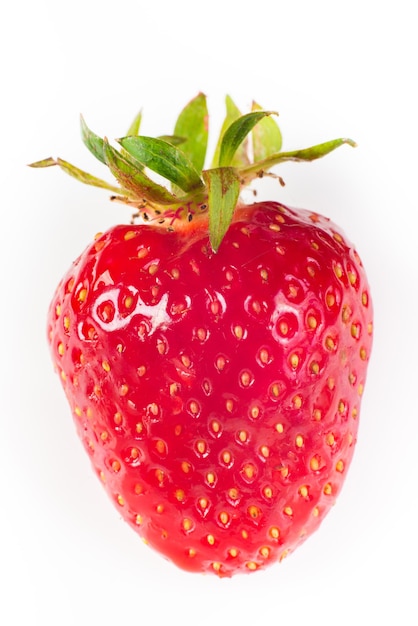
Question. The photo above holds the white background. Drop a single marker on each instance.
(331, 69)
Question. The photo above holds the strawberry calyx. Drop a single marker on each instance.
(248, 147)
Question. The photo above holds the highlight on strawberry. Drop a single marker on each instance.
(213, 352)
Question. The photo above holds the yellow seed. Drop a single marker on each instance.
(364, 298)
(121, 501)
(315, 368)
(253, 511)
(66, 322)
(215, 307)
(78, 411)
(139, 428)
(284, 471)
(194, 407)
(330, 299)
(360, 389)
(161, 447)
(252, 565)
(338, 270)
(186, 467)
(256, 307)
(244, 534)
(268, 492)
(203, 503)
(264, 274)
(215, 426)
(243, 436)
(123, 390)
(224, 518)
(130, 234)
(288, 511)
(255, 412)
(330, 439)
(312, 322)
(160, 508)
(153, 269)
(153, 408)
(104, 436)
(180, 495)
(315, 512)
(82, 294)
(185, 360)
(265, 451)
(264, 356)
(211, 540)
(279, 427)
(233, 493)
(191, 552)
(201, 446)
(294, 360)
(201, 334)
(330, 343)
(249, 470)
(238, 332)
(363, 354)
(274, 532)
(340, 466)
(246, 379)
(229, 405)
(61, 349)
(211, 478)
(106, 366)
(299, 441)
(341, 406)
(187, 524)
(233, 552)
(63, 376)
(275, 390)
(328, 489)
(275, 227)
(102, 477)
(284, 328)
(314, 463)
(128, 302)
(303, 491)
(297, 402)
(226, 457)
(352, 277)
(116, 466)
(264, 552)
(216, 566)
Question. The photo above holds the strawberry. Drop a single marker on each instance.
(213, 352)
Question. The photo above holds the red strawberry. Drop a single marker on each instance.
(214, 373)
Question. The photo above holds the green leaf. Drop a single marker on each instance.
(133, 129)
(92, 141)
(307, 154)
(133, 179)
(164, 159)
(232, 114)
(80, 175)
(266, 136)
(236, 134)
(223, 185)
(173, 139)
(192, 124)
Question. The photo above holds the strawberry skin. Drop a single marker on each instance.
(217, 394)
